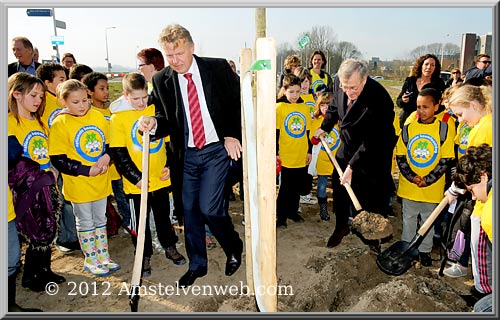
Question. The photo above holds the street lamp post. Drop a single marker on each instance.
(442, 51)
(107, 56)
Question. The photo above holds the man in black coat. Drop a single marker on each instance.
(23, 50)
(365, 112)
(189, 89)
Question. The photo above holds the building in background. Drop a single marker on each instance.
(472, 45)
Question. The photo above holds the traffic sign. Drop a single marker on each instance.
(57, 40)
(39, 12)
(304, 40)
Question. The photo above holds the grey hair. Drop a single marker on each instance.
(349, 66)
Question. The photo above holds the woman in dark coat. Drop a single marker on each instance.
(426, 72)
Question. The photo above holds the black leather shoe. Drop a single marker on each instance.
(337, 236)
(190, 276)
(232, 264)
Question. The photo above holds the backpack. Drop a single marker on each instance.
(37, 201)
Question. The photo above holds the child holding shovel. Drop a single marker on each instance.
(423, 152)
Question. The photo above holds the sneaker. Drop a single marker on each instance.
(299, 210)
(146, 267)
(456, 271)
(243, 221)
(296, 217)
(281, 224)
(308, 199)
(172, 254)
(210, 241)
(68, 247)
(425, 259)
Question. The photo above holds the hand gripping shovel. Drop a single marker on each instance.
(371, 225)
(397, 259)
(135, 284)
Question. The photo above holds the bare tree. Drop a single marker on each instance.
(434, 48)
(321, 38)
(344, 50)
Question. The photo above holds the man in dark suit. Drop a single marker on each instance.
(365, 112)
(198, 104)
(23, 50)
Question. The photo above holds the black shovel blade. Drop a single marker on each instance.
(398, 258)
(134, 298)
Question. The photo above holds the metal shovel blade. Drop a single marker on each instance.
(398, 258)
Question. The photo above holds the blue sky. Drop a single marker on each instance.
(388, 33)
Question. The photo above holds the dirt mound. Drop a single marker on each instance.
(314, 278)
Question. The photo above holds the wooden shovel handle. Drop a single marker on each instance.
(354, 199)
(430, 220)
(139, 251)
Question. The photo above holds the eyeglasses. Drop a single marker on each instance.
(142, 64)
(485, 61)
(351, 88)
(456, 72)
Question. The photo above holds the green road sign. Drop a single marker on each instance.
(304, 40)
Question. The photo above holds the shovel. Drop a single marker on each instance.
(135, 284)
(398, 258)
(364, 218)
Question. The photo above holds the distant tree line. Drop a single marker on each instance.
(325, 39)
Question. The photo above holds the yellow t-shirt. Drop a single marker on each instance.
(125, 133)
(317, 81)
(481, 133)
(450, 121)
(462, 138)
(113, 172)
(324, 165)
(32, 137)
(487, 216)
(83, 139)
(293, 121)
(11, 215)
(52, 108)
(310, 103)
(423, 153)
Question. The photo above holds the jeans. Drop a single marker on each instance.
(322, 183)
(14, 250)
(121, 200)
(90, 215)
(484, 304)
(67, 224)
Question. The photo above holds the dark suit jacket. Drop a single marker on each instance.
(367, 134)
(222, 94)
(12, 68)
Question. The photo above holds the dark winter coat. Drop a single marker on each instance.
(367, 140)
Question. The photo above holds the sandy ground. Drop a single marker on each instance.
(342, 279)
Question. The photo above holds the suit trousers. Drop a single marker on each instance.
(205, 172)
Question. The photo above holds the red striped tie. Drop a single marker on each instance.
(195, 112)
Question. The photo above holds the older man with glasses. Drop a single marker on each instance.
(481, 70)
(365, 112)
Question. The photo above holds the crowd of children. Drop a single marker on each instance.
(93, 150)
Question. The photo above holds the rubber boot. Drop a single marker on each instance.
(92, 263)
(13, 306)
(50, 276)
(33, 275)
(323, 209)
(101, 242)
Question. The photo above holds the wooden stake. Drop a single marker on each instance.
(245, 62)
(266, 165)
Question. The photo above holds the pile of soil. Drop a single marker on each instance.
(341, 279)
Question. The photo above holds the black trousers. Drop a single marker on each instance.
(204, 180)
(159, 202)
(289, 195)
